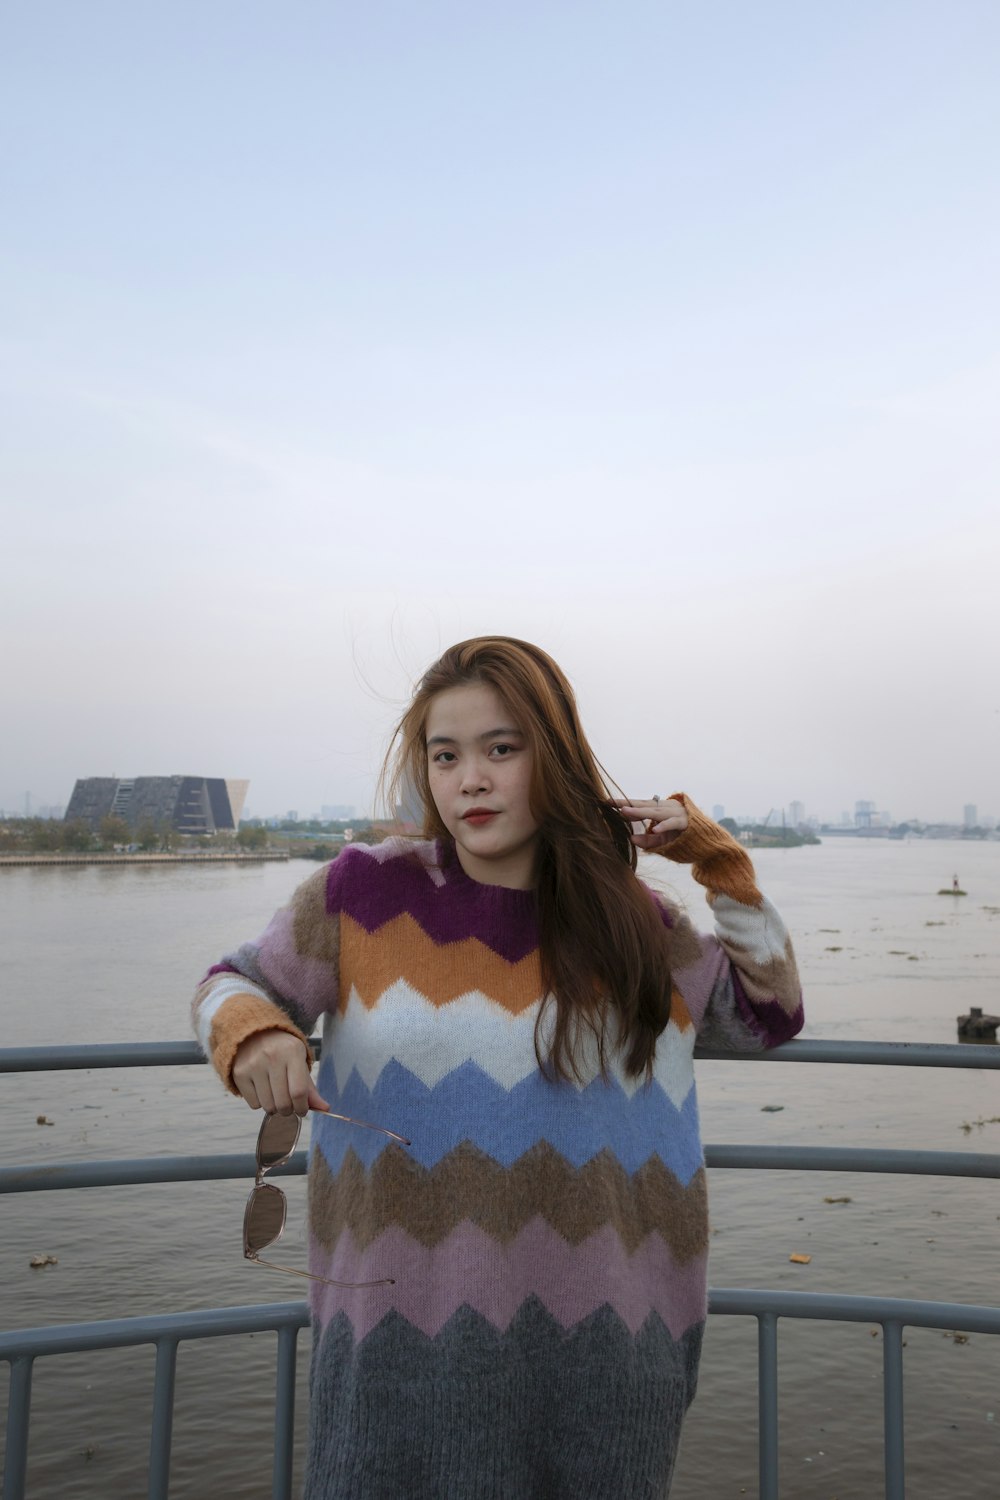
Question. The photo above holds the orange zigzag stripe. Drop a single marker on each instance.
(400, 949)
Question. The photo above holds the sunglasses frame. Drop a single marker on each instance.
(262, 1188)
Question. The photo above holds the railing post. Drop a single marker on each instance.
(767, 1399)
(18, 1415)
(284, 1415)
(163, 1419)
(892, 1376)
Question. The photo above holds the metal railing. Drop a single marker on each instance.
(21, 1348)
(164, 1332)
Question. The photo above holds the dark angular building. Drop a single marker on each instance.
(188, 804)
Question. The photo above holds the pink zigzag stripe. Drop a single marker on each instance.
(472, 1269)
(313, 981)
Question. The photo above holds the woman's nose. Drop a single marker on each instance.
(475, 779)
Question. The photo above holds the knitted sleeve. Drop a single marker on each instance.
(740, 985)
(284, 981)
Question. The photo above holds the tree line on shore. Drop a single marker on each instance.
(759, 835)
(114, 836)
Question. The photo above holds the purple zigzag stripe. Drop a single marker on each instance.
(769, 1016)
(502, 919)
(471, 1269)
(222, 968)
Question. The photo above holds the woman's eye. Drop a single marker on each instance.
(444, 758)
(501, 751)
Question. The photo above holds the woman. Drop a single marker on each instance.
(511, 999)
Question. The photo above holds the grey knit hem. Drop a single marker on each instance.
(535, 1413)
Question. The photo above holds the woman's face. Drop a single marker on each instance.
(479, 770)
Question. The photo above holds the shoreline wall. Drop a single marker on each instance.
(190, 857)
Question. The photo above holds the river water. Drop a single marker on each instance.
(106, 954)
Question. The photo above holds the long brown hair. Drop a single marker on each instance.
(602, 942)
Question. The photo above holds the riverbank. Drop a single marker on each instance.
(777, 838)
(185, 857)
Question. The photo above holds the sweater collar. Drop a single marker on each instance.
(499, 897)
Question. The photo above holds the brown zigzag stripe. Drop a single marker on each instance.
(400, 949)
(684, 943)
(468, 1185)
(315, 936)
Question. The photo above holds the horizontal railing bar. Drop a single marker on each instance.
(882, 1054)
(140, 1170)
(100, 1055)
(154, 1169)
(123, 1333)
(837, 1307)
(221, 1322)
(855, 1159)
(183, 1053)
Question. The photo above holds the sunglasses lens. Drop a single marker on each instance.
(264, 1219)
(278, 1135)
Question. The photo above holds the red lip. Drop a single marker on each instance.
(479, 815)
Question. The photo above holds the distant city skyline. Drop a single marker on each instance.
(866, 813)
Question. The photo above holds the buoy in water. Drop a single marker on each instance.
(975, 1027)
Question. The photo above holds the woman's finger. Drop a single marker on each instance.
(316, 1101)
(281, 1094)
(248, 1092)
(264, 1094)
(298, 1084)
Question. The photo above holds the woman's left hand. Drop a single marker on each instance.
(660, 821)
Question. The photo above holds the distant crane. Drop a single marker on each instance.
(770, 815)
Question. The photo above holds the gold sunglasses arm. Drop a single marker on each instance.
(294, 1271)
(350, 1120)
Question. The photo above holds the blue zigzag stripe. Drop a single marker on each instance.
(468, 1105)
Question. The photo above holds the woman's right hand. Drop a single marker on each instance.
(272, 1070)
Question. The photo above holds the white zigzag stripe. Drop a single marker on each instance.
(223, 988)
(435, 1040)
(673, 1069)
(755, 930)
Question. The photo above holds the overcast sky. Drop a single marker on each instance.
(665, 335)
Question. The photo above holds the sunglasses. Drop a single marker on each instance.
(264, 1217)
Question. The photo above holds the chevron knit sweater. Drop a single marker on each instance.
(548, 1241)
